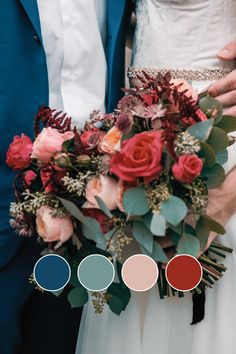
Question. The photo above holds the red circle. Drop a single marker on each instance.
(183, 272)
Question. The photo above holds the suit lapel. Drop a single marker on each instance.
(31, 9)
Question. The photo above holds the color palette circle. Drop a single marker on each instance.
(52, 272)
(96, 272)
(183, 272)
(140, 272)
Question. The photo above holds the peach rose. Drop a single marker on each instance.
(111, 142)
(105, 188)
(48, 142)
(52, 229)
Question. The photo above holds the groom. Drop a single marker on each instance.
(70, 55)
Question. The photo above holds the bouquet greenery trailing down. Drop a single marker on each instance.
(140, 173)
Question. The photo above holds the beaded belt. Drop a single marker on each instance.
(194, 75)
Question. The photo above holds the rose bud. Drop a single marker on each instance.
(62, 160)
(49, 142)
(104, 187)
(52, 229)
(187, 168)
(29, 177)
(83, 161)
(18, 154)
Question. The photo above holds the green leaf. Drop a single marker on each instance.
(201, 130)
(147, 219)
(58, 293)
(73, 210)
(78, 297)
(135, 201)
(158, 225)
(204, 226)
(228, 124)
(116, 305)
(222, 157)
(215, 175)
(188, 244)
(174, 210)
(143, 235)
(207, 154)
(121, 291)
(103, 207)
(158, 254)
(92, 231)
(211, 107)
(218, 140)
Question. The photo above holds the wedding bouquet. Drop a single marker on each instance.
(142, 172)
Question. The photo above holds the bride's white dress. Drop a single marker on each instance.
(183, 34)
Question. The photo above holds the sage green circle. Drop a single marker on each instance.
(96, 272)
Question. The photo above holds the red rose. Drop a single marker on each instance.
(187, 168)
(140, 156)
(91, 138)
(18, 154)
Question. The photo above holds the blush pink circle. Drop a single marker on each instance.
(140, 272)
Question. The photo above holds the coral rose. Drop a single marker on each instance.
(52, 229)
(105, 188)
(187, 168)
(18, 154)
(48, 142)
(140, 156)
(29, 177)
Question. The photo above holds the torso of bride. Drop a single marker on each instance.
(185, 34)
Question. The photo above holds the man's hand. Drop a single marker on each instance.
(224, 90)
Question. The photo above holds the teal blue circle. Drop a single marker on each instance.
(96, 272)
(52, 272)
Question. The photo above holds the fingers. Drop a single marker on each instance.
(227, 99)
(224, 85)
(228, 52)
(230, 111)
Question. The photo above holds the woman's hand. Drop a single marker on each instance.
(224, 90)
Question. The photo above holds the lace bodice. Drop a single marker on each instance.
(183, 33)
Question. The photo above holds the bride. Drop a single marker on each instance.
(181, 36)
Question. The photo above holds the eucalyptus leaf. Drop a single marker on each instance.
(208, 154)
(92, 231)
(215, 175)
(158, 254)
(202, 232)
(174, 210)
(116, 304)
(103, 207)
(222, 157)
(58, 292)
(218, 139)
(158, 224)
(147, 219)
(121, 291)
(78, 297)
(228, 124)
(188, 244)
(143, 235)
(135, 201)
(211, 107)
(201, 130)
(73, 210)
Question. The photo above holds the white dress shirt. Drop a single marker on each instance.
(74, 34)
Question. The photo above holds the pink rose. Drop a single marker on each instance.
(18, 154)
(140, 156)
(187, 168)
(48, 142)
(105, 188)
(111, 141)
(29, 177)
(52, 229)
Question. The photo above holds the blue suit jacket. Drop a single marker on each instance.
(23, 88)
